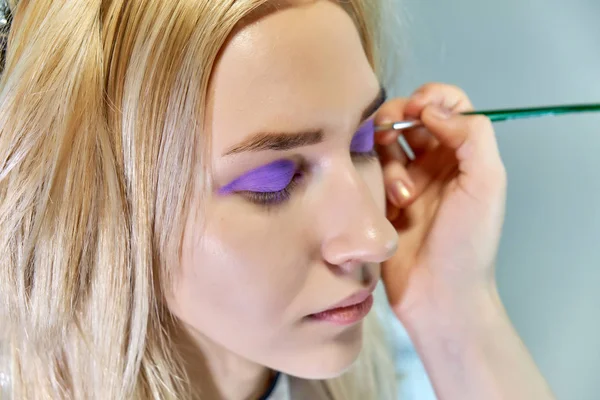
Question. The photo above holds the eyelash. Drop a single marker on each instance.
(274, 198)
(367, 156)
(281, 196)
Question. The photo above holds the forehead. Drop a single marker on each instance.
(299, 68)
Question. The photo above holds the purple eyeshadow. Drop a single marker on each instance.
(364, 139)
(268, 178)
(278, 175)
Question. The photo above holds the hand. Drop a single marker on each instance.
(441, 281)
(447, 204)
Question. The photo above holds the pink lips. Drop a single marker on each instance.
(349, 310)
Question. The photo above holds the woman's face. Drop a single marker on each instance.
(296, 222)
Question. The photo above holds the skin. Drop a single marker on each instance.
(441, 282)
(251, 274)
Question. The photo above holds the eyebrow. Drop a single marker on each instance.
(287, 141)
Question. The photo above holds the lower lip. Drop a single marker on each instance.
(346, 315)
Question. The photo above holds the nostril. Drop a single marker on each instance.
(367, 276)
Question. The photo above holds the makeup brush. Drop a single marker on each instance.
(503, 115)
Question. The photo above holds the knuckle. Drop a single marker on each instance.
(456, 91)
(431, 87)
(449, 94)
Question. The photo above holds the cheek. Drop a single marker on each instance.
(247, 269)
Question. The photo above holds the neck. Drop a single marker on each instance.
(216, 373)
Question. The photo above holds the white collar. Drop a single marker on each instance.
(282, 389)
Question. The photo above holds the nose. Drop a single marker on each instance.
(353, 223)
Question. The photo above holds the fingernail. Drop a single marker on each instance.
(400, 193)
(384, 121)
(441, 113)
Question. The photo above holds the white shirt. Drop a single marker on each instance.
(290, 388)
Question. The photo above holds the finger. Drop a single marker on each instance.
(390, 111)
(445, 96)
(391, 211)
(404, 184)
(439, 165)
(407, 145)
(398, 184)
(420, 140)
(471, 137)
(391, 152)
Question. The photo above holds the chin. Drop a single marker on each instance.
(328, 359)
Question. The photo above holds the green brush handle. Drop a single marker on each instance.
(503, 115)
(517, 113)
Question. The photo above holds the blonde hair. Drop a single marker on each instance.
(91, 93)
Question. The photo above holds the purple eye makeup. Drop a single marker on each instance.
(273, 183)
(272, 177)
(364, 139)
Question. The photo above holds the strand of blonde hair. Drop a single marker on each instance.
(90, 199)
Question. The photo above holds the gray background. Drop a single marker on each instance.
(511, 53)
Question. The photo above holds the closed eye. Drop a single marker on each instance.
(288, 175)
(367, 156)
(275, 197)
(269, 184)
(362, 146)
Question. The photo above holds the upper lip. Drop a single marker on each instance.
(353, 299)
